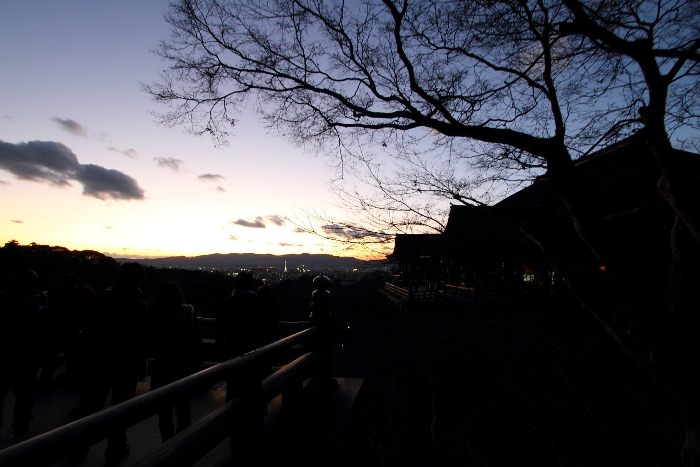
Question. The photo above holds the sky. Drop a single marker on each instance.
(84, 165)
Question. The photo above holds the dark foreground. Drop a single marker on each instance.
(488, 384)
(493, 383)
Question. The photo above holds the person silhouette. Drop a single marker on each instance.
(115, 337)
(240, 328)
(271, 312)
(270, 322)
(23, 334)
(77, 370)
(239, 325)
(61, 303)
(177, 350)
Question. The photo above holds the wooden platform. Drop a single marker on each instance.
(311, 440)
(308, 441)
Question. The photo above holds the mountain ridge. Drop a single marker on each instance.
(237, 260)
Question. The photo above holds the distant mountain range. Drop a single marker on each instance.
(249, 260)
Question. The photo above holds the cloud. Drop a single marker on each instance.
(300, 230)
(16, 221)
(256, 223)
(127, 152)
(102, 183)
(39, 161)
(275, 219)
(54, 163)
(3, 182)
(71, 126)
(220, 189)
(7, 117)
(211, 177)
(339, 230)
(169, 163)
(289, 244)
(233, 237)
(109, 227)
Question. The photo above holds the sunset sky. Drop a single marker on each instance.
(83, 164)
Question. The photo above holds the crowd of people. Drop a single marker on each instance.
(105, 337)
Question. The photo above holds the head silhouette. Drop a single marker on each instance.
(24, 281)
(70, 281)
(130, 275)
(266, 294)
(169, 296)
(84, 293)
(244, 281)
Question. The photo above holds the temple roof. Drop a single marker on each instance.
(621, 177)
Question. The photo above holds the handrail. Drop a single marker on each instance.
(397, 289)
(281, 324)
(458, 289)
(205, 434)
(411, 294)
(283, 327)
(55, 445)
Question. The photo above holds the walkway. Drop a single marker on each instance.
(323, 424)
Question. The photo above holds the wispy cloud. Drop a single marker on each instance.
(349, 231)
(109, 227)
(256, 223)
(275, 219)
(127, 152)
(211, 177)
(338, 230)
(71, 126)
(220, 189)
(16, 221)
(54, 163)
(3, 182)
(169, 163)
(300, 230)
(289, 244)
(233, 237)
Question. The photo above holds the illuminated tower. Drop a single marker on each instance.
(285, 266)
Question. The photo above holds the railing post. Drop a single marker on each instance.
(322, 319)
(292, 393)
(247, 434)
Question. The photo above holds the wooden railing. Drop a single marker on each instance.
(458, 290)
(411, 294)
(423, 295)
(58, 444)
(398, 291)
(284, 328)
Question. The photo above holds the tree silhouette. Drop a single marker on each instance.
(469, 99)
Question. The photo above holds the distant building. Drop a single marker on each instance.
(487, 247)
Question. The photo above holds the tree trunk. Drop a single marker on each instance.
(672, 361)
(676, 184)
(684, 281)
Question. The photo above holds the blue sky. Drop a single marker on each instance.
(69, 77)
